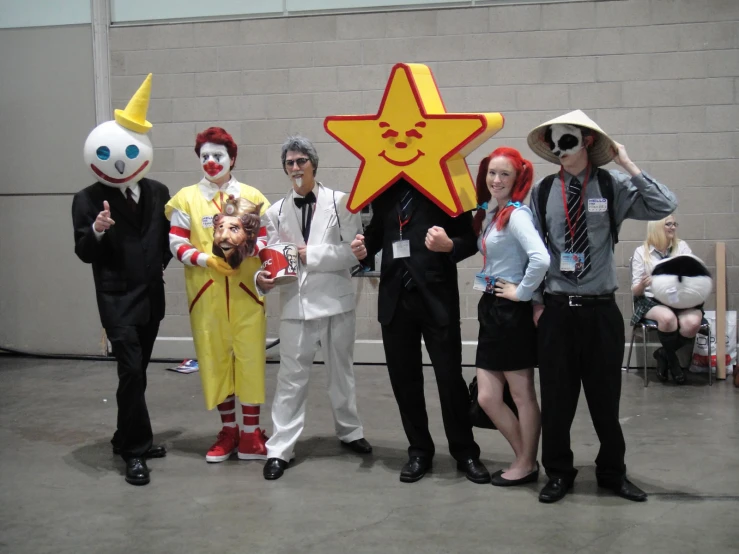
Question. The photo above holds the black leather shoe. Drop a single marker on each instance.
(628, 490)
(414, 469)
(155, 451)
(474, 470)
(136, 471)
(659, 356)
(274, 468)
(360, 446)
(554, 490)
(499, 481)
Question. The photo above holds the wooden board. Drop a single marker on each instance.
(720, 310)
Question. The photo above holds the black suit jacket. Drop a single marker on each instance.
(434, 273)
(128, 261)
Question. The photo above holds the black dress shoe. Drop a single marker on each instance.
(414, 469)
(659, 356)
(554, 490)
(274, 468)
(499, 481)
(360, 446)
(155, 451)
(628, 490)
(474, 470)
(136, 471)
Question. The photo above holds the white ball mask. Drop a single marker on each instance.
(564, 140)
(215, 161)
(117, 156)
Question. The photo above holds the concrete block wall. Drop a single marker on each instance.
(661, 76)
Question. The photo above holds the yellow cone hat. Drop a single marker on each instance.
(134, 116)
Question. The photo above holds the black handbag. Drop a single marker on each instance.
(478, 417)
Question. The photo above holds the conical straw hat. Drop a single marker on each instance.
(134, 116)
(601, 152)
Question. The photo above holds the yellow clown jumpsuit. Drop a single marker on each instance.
(227, 314)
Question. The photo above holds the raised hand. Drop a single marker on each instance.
(103, 222)
(358, 248)
(438, 241)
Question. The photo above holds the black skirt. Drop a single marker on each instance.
(507, 338)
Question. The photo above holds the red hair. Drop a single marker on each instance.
(217, 135)
(521, 186)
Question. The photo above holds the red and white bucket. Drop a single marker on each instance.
(281, 260)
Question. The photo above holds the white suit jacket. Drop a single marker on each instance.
(324, 286)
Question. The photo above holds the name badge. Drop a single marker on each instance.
(597, 204)
(401, 249)
(207, 221)
(484, 283)
(571, 261)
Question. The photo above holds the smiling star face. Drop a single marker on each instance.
(117, 156)
(412, 137)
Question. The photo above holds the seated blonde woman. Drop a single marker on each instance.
(674, 327)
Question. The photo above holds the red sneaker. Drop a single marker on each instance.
(226, 444)
(252, 445)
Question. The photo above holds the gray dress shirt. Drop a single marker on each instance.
(639, 197)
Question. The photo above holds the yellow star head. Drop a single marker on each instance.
(414, 138)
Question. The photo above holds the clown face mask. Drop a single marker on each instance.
(117, 156)
(564, 140)
(215, 160)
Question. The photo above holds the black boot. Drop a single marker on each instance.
(672, 343)
(659, 355)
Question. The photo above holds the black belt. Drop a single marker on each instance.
(575, 300)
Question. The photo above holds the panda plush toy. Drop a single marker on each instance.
(681, 282)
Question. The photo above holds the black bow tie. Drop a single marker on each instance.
(309, 198)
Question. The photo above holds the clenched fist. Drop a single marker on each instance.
(438, 241)
(358, 248)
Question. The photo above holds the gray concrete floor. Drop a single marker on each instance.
(61, 489)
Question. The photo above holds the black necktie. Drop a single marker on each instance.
(131, 201)
(578, 221)
(405, 209)
(306, 205)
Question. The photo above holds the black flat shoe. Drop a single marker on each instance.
(274, 468)
(474, 470)
(360, 446)
(414, 469)
(155, 451)
(659, 356)
(499, 481)
(626, 489)
(136, 472)
(554, 490)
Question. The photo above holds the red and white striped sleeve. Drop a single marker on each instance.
(179, 240)
(261, 240)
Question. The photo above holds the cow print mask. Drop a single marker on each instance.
(563, 139)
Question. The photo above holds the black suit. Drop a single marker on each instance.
(127, 265)
(428, 308)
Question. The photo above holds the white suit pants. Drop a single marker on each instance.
(299, 344)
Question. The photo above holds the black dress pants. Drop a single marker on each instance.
(132, 346)
(402, 342)
(581, 344)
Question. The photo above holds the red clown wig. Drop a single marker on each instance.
(521, 186)
(217, 135)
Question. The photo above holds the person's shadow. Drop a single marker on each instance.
(96, 459)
